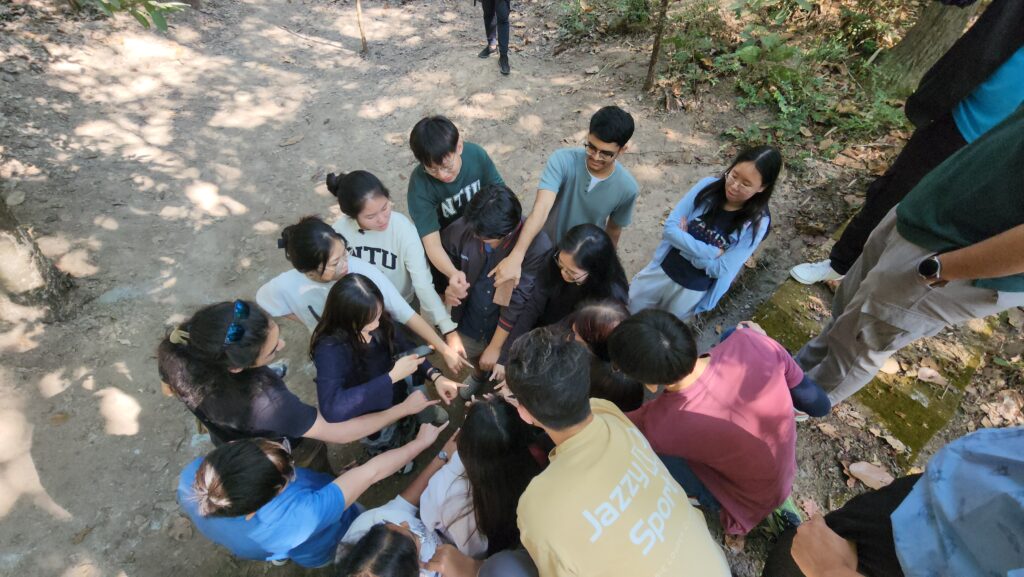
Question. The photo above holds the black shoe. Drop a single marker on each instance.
(504, 65)
(487, 51)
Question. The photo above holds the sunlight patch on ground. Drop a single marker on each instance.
(23, 337)
(120, 410)
(207, 198)
(53, 384)
(76, 263)
(647, 174)
(18, 474)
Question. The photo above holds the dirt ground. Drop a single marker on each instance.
(158, 170)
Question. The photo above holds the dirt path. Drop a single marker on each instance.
(158, 170)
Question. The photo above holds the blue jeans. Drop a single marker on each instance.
(681, 472)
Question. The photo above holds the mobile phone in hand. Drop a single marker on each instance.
(420, 351)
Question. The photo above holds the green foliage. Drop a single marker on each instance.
(773, 11)
(146, 12)
(808, 90)
(578, 19)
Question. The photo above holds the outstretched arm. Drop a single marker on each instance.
(511, 267)
(997, 256)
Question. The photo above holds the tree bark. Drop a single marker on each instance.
(659, 30)
(31, 288)
(937, 28)
(359, 21)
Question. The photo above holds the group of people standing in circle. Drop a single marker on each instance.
(605, 434)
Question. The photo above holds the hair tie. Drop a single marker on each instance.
(281, 243)
(179, 336)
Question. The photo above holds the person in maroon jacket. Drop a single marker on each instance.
(484, 235)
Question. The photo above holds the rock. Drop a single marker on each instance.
(15, 197)
(180, 529)
(592, 70)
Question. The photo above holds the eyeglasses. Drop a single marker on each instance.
(235, 330)
(446, 167)
(578, 279)
(595, 152)
(731, 175)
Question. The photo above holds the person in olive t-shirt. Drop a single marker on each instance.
(951, 251)
(605, 505)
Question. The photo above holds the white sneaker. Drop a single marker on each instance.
(812, 272)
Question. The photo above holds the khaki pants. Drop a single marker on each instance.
(882, 306)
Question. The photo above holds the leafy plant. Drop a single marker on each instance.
(146, 12)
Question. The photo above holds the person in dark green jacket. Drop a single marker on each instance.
(951, 251)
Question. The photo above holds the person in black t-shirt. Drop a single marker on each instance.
(216, 363)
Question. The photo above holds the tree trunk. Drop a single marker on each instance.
(359, 21)
(659, 30)
(937, 28)
(31, 288)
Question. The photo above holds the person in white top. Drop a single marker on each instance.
(388, 240)
(472, 500)
(319, 255)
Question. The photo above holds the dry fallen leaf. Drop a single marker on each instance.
(809, 507)
(895, 443)
(871, 475)
(930, 375)
(828, 429)
(891, 366)
(59, 418)
(293, 139)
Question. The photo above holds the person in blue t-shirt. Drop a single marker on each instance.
(249, 497)
(708, 236)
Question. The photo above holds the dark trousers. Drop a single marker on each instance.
(863, 520)
(926, 149)
(496, 22)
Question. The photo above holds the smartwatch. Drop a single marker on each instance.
(930, 269)
(443, 455)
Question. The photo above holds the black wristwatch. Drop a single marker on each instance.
(930, 269)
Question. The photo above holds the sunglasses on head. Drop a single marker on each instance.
(235, 330)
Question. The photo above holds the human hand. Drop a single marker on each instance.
(820, 552)
(447, 389)
(752, 326)
(454, 340)
(509, 269)
(451, 445)
(502, 390)
(428, 433)
(453, 358)
(404, 367)
(489, 358)
(498, 373)
(415, 403)
(457, 289)
(449, 562)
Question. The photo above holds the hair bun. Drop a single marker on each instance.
(332, 182)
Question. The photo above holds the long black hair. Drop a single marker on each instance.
(593, 251)
(768, 162)
(240, 477)
(494, 445)
(307, 244)
(353, 190)
(197, 356)
(353, 303)
(381, 552)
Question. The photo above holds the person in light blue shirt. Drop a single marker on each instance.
(713, 230)
(963, 517)
(249, 497)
